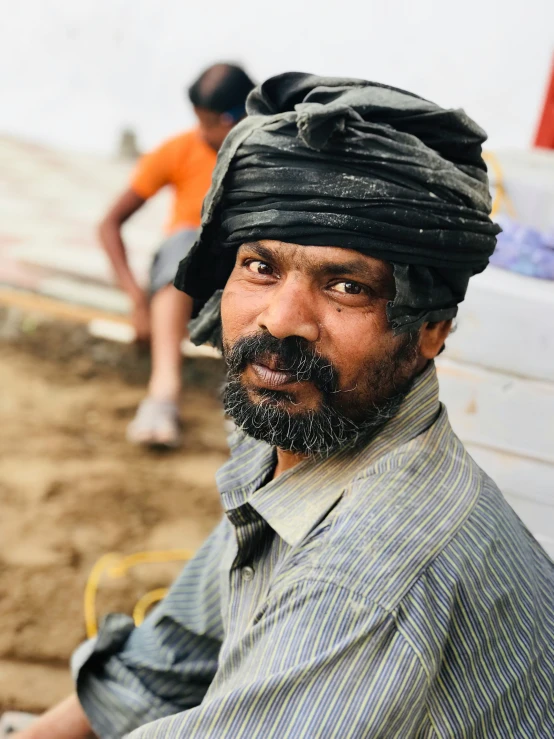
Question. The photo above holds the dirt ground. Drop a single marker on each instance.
(72, 489)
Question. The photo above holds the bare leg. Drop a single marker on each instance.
(170, 313)
(157, 419)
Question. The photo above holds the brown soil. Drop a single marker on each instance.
(72, 489)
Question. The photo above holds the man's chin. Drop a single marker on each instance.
(287, 400)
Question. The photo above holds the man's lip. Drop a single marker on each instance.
(271, 377)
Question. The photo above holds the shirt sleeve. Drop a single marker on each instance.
(155, 169)
(128, 676)
(319, 662)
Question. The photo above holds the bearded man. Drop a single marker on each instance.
(368, 579)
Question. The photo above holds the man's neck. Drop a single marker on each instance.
(285, 461)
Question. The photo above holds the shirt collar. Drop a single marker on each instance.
(295, 502)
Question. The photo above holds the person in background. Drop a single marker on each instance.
(161, 313)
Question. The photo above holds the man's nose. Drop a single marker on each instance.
(291, 312)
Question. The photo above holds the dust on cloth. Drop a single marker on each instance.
(355, 164)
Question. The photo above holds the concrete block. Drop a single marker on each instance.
(529, 181)
(506, 323)
(500, 411)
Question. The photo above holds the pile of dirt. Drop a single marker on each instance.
(72, 489)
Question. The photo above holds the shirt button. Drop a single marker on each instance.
(247, 573)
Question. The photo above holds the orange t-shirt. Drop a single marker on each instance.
(186, 163)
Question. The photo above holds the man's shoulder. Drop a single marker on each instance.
(421, 510)
(182, 141)
(493, 545)
(168, 154)
(398, 515)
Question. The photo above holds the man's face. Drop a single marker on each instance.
(213, 127)
(313, 365)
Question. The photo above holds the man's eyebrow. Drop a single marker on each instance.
(259, 250)
(349, 267)
(379, 277)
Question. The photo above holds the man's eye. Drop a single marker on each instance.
(348, 288)
(259, 268)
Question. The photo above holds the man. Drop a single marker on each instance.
(185, 163)
(368, 579)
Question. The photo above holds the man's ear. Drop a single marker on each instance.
(432, 338)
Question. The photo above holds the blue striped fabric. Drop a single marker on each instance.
(386, 593)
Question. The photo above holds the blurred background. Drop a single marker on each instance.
(75, 74)
(86, 88)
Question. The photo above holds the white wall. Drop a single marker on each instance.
(74, 72)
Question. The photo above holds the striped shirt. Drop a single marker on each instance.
(389, 592)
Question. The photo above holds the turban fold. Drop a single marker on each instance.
(342, 162)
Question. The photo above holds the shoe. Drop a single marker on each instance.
(156, 423)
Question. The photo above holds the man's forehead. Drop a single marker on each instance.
(324, 258)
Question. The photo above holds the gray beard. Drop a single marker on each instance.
(314, 433)
(342, 420)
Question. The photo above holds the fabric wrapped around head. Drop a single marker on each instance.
(342, 162)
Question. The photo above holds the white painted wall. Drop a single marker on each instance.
(74, 72)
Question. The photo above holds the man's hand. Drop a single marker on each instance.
(140, 317)
(67, 720)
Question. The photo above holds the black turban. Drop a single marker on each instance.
(324, 161)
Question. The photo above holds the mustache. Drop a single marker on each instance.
(293, 355)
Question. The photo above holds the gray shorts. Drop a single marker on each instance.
(167, 258)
